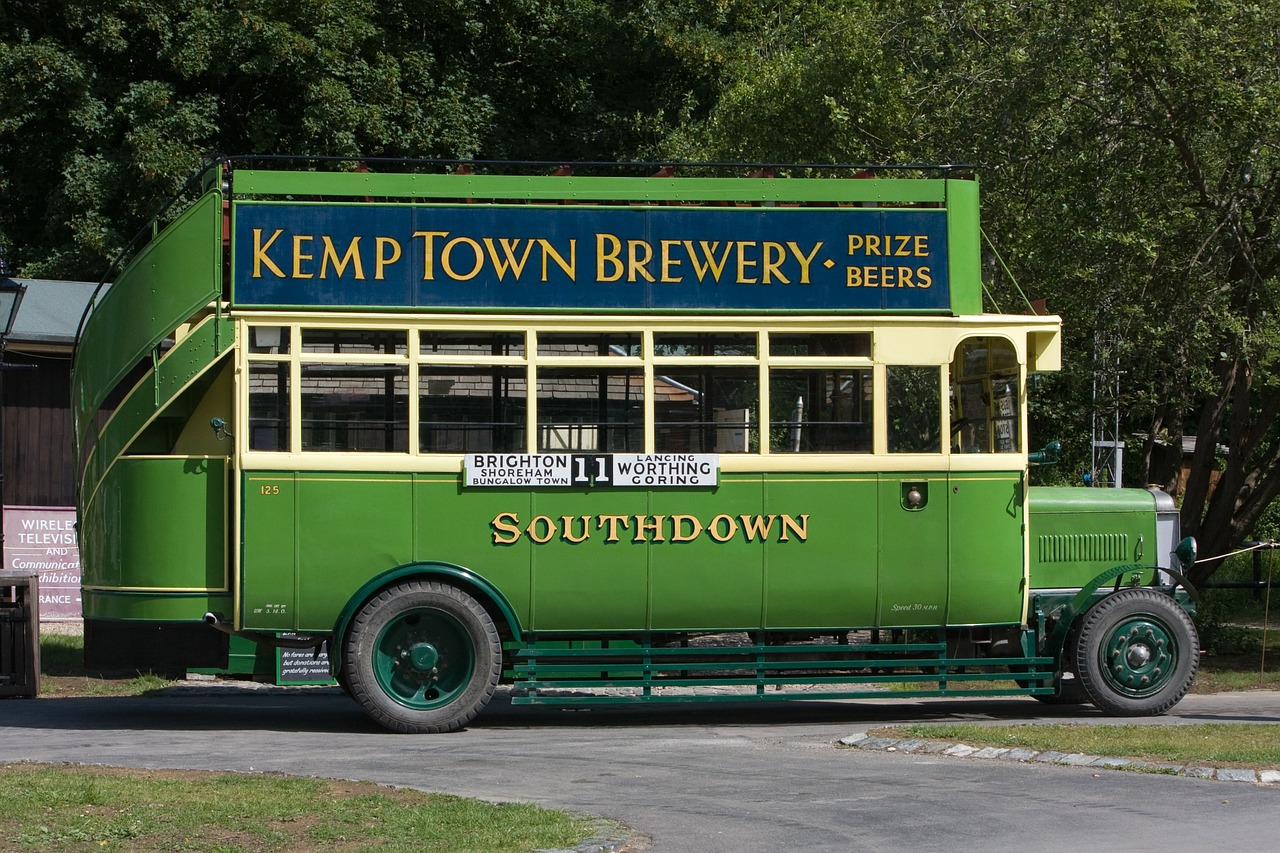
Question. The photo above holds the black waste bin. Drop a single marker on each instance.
(19, 635)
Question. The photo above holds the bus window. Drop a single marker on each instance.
(591, 409)
(820, 411)
(464, 409)
(269, 405)
(914, 409)
(706, 409)
(589, 344)
(355, 407)
(432, 343)
(355, 341)
(984, 397)
(856, 344)
(704, 343)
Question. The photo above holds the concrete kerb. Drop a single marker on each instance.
(917, 746)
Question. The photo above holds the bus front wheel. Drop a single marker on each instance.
(423, 657)
(1137, 652)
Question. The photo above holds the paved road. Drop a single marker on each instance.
(690, 778)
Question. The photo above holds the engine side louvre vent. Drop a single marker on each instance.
(1085, 548)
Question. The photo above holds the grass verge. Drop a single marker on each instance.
(57, 808)
(1213, 744)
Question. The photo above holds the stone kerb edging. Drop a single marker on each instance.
(1075, 759)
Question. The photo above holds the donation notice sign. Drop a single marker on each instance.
(42, 540)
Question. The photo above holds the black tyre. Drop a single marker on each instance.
(1136, 653)
(422, 657)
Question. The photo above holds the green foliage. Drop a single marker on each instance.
(1128, 152)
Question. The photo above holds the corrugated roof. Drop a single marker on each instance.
(50, 312)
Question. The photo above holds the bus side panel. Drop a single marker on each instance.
(159, 524)
(913, 550)
(465, 527)
(598, 583)
(268, 600)
(828, 579)
(268, 596)
(351, 527)
(986, 549)
(707, 583)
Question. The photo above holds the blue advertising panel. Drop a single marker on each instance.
(605, 257)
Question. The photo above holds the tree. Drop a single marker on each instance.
(1129, 158)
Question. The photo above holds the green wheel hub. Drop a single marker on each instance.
(1139, 656)
(423, 659)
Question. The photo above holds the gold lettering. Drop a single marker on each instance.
(428, 252)
(566, 530)
(570, 267)
(260, 250)
(925, 276)
(922, 246)
(695, 528)
(716, 267)
(714, 528)
(613, 521)
(799, 528)
(447, 254)
(743, 263)
(669, 263)
(651, 524)
(505, 528)
(639, 253)
(299, 257)
(548, 529)
(804, 259)
(902, 249)
(754, 526)
(611, 256)
(383, 260)
(774, 255)
(508, 261)
(340, 264)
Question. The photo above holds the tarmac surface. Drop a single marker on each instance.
(695, 778)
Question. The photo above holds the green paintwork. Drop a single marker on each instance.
(985, 530)
(964, 247)
(158, 523)
(313, 540)
(254, 182)
(154, 606)
(176, 274)
(184, 364)
(1076, 534)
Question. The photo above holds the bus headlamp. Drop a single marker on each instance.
(1186, 552)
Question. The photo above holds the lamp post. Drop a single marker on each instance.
(11, 293)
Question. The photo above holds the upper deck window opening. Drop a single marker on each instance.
(914, 407)
(449, 343)
(591, 409)
(355, 341)
(821, 411)
(355, 407)
(821, 344)
(555, 344)
(707, 409)
(704, 343)
(467, 409)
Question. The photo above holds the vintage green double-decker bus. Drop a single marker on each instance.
(609, 438)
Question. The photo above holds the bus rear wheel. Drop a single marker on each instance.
(1137, 652)
(422, 657)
